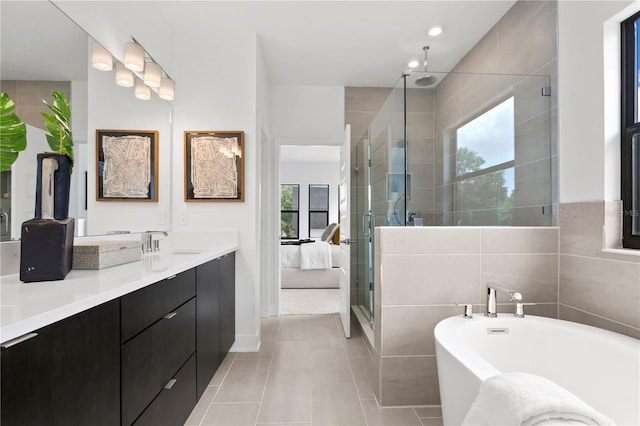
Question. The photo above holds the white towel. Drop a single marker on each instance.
(525, 399)
(315, 256)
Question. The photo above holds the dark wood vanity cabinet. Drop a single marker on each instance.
(227, 302)
(67, 374)
(142, 359)
(216, 316)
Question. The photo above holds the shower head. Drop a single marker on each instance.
(426, 79)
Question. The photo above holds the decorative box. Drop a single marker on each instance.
(103, 254)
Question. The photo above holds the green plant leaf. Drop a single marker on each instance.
(58, 124)
(13, 133)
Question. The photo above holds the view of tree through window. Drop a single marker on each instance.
(484, 167)
(289, 211)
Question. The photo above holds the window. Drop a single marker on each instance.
(630, 140)
(289, 211)
(484, 167)
(318, 209)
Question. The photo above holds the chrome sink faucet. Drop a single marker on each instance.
(148, 243)
(492, 290)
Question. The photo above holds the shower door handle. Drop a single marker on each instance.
(4, 223)
(367, 231)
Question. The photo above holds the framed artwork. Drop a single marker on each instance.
(214, 166)
(127, 165)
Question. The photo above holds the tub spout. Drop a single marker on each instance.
(492, 305)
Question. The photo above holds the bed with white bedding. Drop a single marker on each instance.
(310, 265)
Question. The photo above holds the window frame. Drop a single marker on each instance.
(629, 128)
(297, 237)
(326, 211)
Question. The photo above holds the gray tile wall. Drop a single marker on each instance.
(422, 272)
(516, 57)
(28, 96)
(599, 288)
(361, 106)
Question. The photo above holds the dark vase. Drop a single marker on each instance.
(46, 246)
(61, 186)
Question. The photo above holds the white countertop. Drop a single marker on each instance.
(25, 307)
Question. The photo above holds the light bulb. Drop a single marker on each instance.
(134, 56)
(142, 91)
(124, 77)
(100, 57)
(167, 89)
(152, 74)
(435, 30)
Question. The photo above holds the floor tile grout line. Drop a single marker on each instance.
(353, 379)
(264, 388)
(217, 390)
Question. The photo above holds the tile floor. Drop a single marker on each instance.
(303, 301)
(306, 373)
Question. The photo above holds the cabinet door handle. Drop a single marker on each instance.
(170, 384)
(171, 277)
(170, 315)
(18, 340)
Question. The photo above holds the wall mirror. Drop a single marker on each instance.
(43, 50)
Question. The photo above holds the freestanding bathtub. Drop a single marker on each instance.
(600, 367)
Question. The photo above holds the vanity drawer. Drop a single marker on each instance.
(173, 406)
(153, 357)
(143, 307)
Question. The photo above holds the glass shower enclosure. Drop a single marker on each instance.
(469, 150)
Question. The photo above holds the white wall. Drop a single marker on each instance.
(216, 89)
(111, 107)
(308, 173)
(581, 102)
(307, 115)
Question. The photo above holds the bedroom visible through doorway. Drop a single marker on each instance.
(309, 253)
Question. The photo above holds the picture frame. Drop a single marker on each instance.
(127, 165)
(214, 166)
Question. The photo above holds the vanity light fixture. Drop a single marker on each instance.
(413, 63)
(167, 89)
(152, 74)
(435, 30)
(134, 56)
(142, 91)
(100, 57)
(124, 76)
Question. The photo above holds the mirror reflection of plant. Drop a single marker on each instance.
(13, 133)
(58, 124)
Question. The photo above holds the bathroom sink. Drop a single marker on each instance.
(186, 251)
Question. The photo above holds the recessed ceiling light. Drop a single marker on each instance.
(434, 30)
(413, 63)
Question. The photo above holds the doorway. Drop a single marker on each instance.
(308, 182)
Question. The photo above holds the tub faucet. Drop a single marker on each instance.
(492, 289)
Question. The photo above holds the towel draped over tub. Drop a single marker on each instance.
(526, 399)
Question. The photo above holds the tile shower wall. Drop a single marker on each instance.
(361, 106)
(599, 288)
(509, 60)
(422, 271)
(421, 153)
(28, 96)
